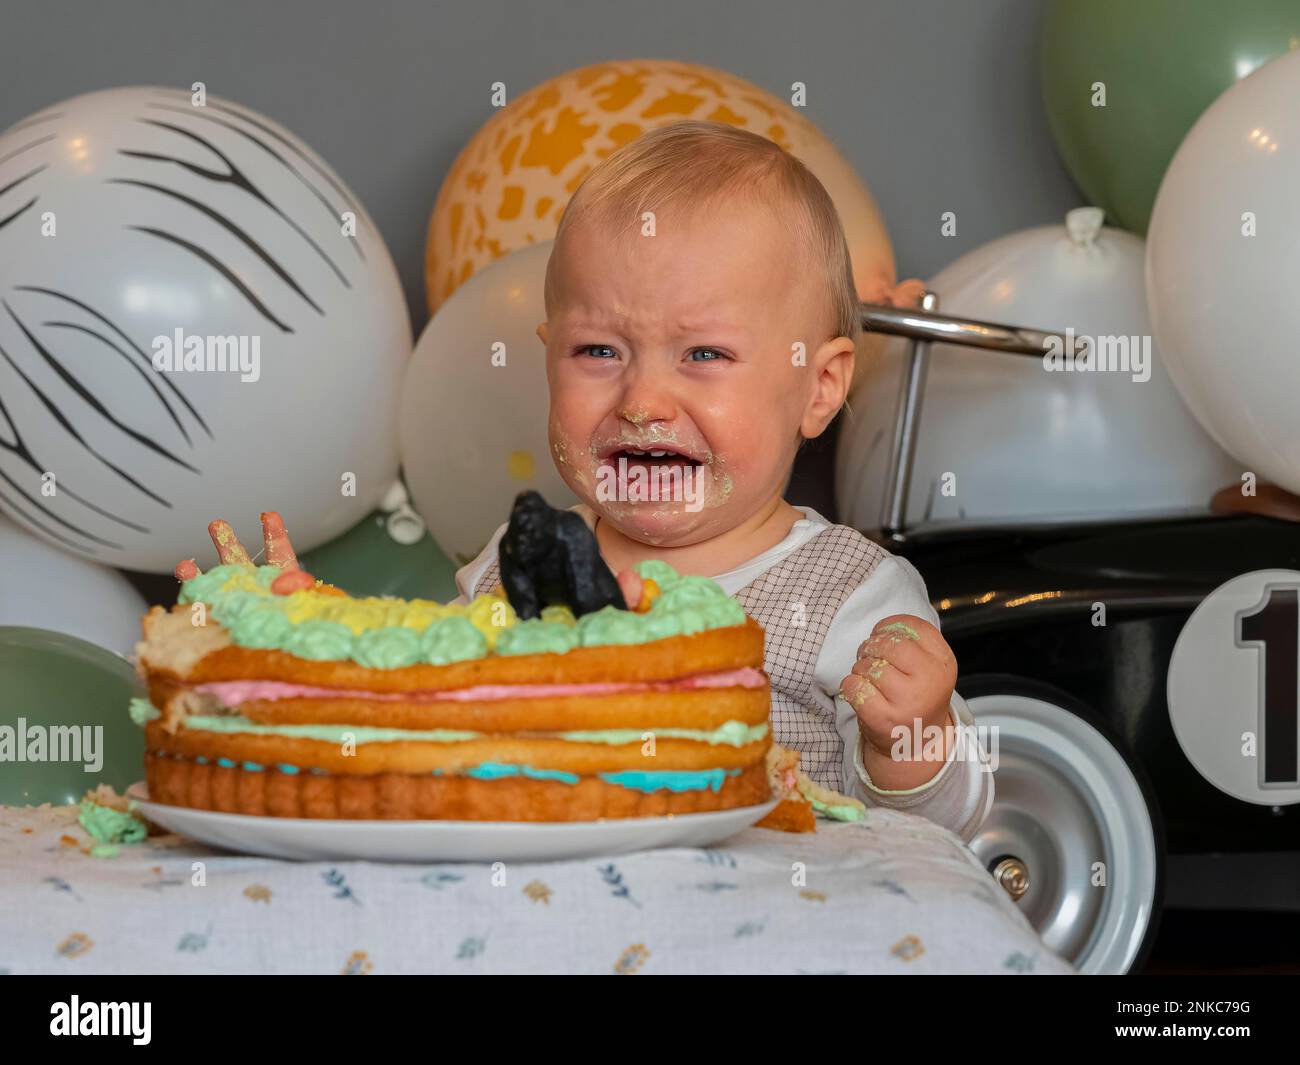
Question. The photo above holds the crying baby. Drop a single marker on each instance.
(702, 320)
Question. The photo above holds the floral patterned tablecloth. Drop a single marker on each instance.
(894, 894)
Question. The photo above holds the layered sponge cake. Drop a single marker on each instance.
(271, 693)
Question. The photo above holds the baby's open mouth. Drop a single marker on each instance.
(661, 473)
(663, 458)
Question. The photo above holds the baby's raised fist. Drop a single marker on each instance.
(903, 677)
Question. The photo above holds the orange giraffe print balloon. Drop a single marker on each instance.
(510, 184)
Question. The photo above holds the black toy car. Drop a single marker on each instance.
(1064, 634)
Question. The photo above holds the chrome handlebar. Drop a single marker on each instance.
(923, 327)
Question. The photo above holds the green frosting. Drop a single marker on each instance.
(109, 826)
(452, 640)
(320, 640)
(142, 711)
(654, 570)
(235, 605)
(837, 813)
(660, 626)
(562, 614)
(695, 602)
(328, 733)
(256, 618)
(689, 591)
(206, 586)
(538, 636)
(265, 629)
(732, 733)
(610, 625)
(903, 627)
(387, 648)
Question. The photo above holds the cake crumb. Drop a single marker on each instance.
(109, 820)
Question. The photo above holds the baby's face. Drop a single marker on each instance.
(672, 362)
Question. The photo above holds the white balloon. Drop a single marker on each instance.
(1223, 255)
(475, 405)
(45, 588)
(1001, 438)
(131, 219)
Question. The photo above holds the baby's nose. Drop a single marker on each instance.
(645, 401)
(641, 416)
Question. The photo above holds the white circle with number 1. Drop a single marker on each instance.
(1234, 687)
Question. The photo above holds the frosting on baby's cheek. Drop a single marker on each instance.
(560, 449)
(720, 484)
(568, 458)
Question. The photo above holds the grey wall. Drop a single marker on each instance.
(935, 101)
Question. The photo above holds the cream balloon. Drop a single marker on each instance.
(1002, 438)
(199, 320)
(474, 406)
(1223, 255)
(46, 588)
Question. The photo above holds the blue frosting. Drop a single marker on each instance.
(648, 780)
(498, 770)
(643, 780)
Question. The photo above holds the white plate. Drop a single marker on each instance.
(317, 839)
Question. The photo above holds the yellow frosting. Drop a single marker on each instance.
(490, 613)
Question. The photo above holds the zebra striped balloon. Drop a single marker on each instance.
(197, 319)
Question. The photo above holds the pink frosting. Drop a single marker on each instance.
(235, 692)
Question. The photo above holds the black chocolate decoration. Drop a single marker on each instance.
(549, 558)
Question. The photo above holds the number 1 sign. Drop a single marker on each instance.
(1234, 687)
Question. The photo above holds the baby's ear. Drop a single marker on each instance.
(833, 364)
(542, 333)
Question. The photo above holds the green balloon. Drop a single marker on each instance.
(1162, 62)
(64, 725)
(366, 560)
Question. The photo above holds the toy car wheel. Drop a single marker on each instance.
(1074, 834)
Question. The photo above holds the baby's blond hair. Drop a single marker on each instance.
(696, 165)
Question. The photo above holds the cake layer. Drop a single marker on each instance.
(700, 709)
(449, 754)
(391, 796)
(236, 692)
(171, 649)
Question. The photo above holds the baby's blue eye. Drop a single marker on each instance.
(589, 349)
(714, 355)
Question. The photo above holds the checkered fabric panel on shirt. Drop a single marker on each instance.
(795, 601)
(490, 579)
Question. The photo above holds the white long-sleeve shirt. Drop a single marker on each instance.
(960, 795)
